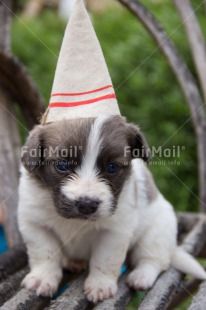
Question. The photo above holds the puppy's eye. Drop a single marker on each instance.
(62, 165)
(112, 168)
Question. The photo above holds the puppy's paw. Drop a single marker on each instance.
(142, 279)
(100, 288)
(43, 284)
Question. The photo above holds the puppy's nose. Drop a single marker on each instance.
(87, 206)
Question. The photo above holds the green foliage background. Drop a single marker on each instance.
(146, 88)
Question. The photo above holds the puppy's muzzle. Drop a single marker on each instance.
(87, 206)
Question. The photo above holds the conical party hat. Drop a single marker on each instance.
(82, 85)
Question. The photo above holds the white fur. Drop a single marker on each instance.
(149, 230)
(86, 181)
(88, 166)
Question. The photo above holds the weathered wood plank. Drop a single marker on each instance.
(199, 301)
(161, 294)
(9, 157)
(73, 298)
(15, 78)
(195, 240)
(187, 290)
(186, 221)
(9, 141)
(25, 300)
(9, 287)
(12, 261)
(5, 24)
(195, 38)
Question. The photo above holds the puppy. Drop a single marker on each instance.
(87, 199)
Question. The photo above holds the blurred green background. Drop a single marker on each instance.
(146, 88)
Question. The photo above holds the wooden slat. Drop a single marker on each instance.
(187, 290)
(25, 300)
(186, 221)
(9, 165)
(9, 287)
(28, 300)
(161, 294)
(73, 298)
(195, 240)
(12, 261)
(9, 140)
(199, 301)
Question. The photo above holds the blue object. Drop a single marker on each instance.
(61, 291)
(3, 245)
(123, 269)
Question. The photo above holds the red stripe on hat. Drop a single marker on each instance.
(82, 93)
(75, 104)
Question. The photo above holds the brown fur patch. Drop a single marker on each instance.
(51, 140)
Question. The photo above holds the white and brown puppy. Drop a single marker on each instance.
(85, 200)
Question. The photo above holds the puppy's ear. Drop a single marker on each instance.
(32, 151)
(138, 144)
